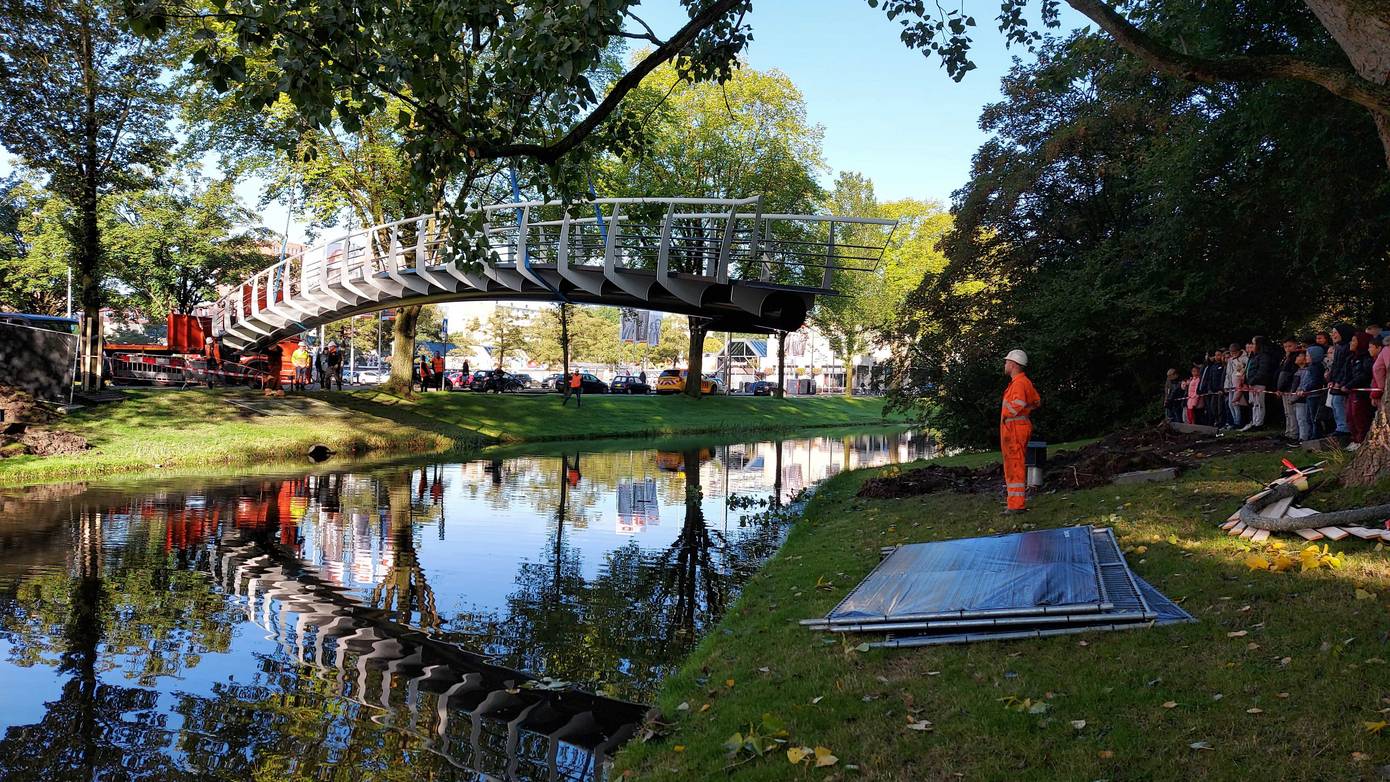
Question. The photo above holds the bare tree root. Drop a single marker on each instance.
(1251, 517)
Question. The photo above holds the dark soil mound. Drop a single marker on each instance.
(20, 433)
(934, 478)
(19, 406)
(1097, 464)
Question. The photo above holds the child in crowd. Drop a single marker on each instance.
(1174, 396)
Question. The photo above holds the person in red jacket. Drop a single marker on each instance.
(1016, 429)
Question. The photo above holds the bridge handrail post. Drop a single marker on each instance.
(721, 269)
(755, 236)
(663, 252)
(610, 245)
(421, 229)
(828, 274)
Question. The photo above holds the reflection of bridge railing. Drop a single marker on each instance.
(720, 258)
(556, 734)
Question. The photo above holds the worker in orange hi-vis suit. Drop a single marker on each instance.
(1015, 428)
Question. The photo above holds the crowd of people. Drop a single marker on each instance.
(1327, 384)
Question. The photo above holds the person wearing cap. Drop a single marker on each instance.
(300, 359)
(1016, 429)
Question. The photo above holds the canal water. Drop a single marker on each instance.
(415, 622)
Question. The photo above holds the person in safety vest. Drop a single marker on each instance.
(1016, 428)
(300, 359)
(437, 366)
(575, 389)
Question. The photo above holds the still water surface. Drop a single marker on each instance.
(407, 623)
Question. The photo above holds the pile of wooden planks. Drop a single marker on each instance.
(1285, 509)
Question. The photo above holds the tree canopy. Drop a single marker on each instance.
(172, 247)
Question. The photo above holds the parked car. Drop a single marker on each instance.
(672, 381)
(629, 384)
(554, 382)
(591, 384)
(455, 380)
(524, 379)
(369, 376)
(483, 380)
(762, 388)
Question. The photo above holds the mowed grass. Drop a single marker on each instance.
(540, 417)
(203, 428)
(165, 429)
(1279, 677)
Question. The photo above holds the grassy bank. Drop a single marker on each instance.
(156, 429)
(1280, 677)
(163, 429)
(536, 418)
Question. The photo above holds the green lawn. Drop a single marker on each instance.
(165, 429)
(1279, 677)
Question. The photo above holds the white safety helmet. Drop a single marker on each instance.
(1018, 357)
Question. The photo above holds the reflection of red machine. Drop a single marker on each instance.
(674, 461)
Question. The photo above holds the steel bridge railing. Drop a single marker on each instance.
(710, 239)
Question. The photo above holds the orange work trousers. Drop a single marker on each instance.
(1013, 442)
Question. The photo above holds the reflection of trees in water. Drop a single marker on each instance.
(136, 612)
(626, 627)
(404, 591)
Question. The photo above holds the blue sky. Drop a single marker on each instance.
(888, 112)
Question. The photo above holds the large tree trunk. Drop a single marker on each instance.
(695, 372)
(88, 260)
(1362, 29)
(781, 372)
(849, 376)
(565, 342)
(1372, 462)
(403, 350)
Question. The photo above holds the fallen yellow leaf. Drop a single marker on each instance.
(1238, 634)
(704, 708)
(824, 758)
(729, 683)
(797, 754)
(1170, 704)
(1375, 727)
(1255, 710)
(678, 748)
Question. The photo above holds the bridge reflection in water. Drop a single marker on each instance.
(376, 625)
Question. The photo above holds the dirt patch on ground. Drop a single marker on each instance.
(18, 406)
(21, 431)
(928, 480)
(1094, 465)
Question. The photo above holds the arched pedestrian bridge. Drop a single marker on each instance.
(722, 259)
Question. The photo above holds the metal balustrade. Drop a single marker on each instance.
(721, 259)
